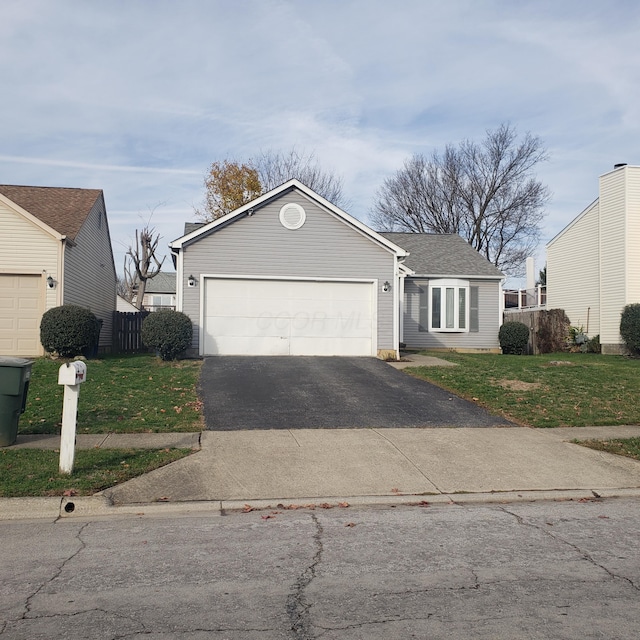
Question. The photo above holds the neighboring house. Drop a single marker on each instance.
(292, 274)
(593, 264)
(124, 306)
(160, 292)
(57, 251)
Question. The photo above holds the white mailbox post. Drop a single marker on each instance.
(71, 375)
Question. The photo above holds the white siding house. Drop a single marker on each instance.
(593, 264)
(57, 251)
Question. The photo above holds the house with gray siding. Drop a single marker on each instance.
(292, 274)
(57, 251)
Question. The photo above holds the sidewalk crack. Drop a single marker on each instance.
(410, 461)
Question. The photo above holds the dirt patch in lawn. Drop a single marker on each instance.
(518, 385)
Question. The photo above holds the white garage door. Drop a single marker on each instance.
(21, 308)
(288, 317)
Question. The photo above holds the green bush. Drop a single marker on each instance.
(168, 332)
(69, 331)
(593, 344)
(513, 337)
(630, 327)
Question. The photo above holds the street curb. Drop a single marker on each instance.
(12, 509)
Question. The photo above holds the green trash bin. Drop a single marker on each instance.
(15, 374)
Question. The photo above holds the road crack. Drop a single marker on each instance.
(585, 555)
(83, 545)
(298, 608)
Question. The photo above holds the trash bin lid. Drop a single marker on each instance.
(7, 361)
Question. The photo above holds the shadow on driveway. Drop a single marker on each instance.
(283, 392)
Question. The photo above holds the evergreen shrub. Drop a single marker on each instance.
(69, 331)
(168, 332)
(513, 337)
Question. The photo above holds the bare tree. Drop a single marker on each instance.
(274, 168)
(139, 263)
(486, 192)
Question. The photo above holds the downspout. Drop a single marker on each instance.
(61, 257)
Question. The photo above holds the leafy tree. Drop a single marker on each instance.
(228, 185)
(486, 192)
(138, 264)
(231, 184)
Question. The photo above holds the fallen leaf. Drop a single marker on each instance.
(325, 505)
(395, 490)
(70, 492)
(343, 505)
(163, 499)
(247, 508)
(604, 517)
(268, 517)
(350, 524)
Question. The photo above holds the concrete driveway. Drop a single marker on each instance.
(243, 393)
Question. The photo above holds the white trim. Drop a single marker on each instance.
(225, 276)
(29, 216)
(283, 219)
(454, 276)
(577, 219)
(179, 242)
(449, 283)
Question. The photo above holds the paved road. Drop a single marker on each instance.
(545, 570)
(312, 392)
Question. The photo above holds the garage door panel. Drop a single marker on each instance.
(21, 308)
(307, 346)
(288, 317)
(229, 345)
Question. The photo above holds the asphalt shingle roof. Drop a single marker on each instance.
(162, 283)
(60, 208)
(442, 255)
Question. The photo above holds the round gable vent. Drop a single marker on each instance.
(292, 216)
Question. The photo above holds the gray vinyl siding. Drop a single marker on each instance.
(258, 245)
(89, 271)
(486, 337)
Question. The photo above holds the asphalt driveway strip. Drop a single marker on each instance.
(287, 392)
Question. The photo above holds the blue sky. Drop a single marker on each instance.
(138, 98)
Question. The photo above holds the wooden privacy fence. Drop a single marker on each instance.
(127, 331)
(548, 329)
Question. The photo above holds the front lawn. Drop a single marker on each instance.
(591, 389)
(629, 447)
(33, 472)
(122, 394)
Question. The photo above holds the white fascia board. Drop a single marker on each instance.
(457, 276)
(23, 212)
(360, 226)
(177, 244)
(403, 270)
(574, 221)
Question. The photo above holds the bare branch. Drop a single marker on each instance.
(485, 192)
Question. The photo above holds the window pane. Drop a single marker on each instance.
(450, 309)
(435, 307)
(462, 308)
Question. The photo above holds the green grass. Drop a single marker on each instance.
(33, 472)
(592, 390)
(128, 394)
(629, 447)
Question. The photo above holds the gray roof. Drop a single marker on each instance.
(192, 226)
(437, 254)
(161, 283)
